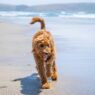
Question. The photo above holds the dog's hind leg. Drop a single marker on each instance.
(54, 72)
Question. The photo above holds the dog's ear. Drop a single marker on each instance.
(52, 50)
(36, 40)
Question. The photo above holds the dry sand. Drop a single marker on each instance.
(17, 69)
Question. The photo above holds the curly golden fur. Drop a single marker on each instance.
(44, 54)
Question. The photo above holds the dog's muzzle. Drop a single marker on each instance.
(46, 57)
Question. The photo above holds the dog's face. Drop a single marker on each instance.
(43, 48)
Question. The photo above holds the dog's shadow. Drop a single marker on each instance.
(30, 85)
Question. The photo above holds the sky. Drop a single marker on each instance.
(41, 2)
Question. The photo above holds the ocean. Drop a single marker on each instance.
(24, 17)
(78, 14)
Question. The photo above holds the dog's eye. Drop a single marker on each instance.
(41, 45)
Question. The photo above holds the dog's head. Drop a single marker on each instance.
(43, 47)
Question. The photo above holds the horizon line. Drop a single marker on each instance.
(48, 4)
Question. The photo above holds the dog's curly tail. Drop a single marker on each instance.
(37, 19)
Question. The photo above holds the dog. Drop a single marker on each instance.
(43, 49)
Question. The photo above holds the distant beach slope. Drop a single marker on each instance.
(70, 7)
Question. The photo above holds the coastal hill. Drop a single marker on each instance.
(70, 7)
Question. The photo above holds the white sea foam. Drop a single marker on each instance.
(16, 13)
(84, 15)
(46, 14)
(78, 15)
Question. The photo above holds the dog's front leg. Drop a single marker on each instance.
(42, 73)
(48, 70)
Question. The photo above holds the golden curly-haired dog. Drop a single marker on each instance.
(44, 54)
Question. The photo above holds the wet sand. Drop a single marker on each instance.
(75, 60)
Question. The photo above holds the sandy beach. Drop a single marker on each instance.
(75, 59)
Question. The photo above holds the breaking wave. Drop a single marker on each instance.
(47, 14)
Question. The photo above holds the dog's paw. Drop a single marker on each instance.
(46, 86)
(54, 76)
